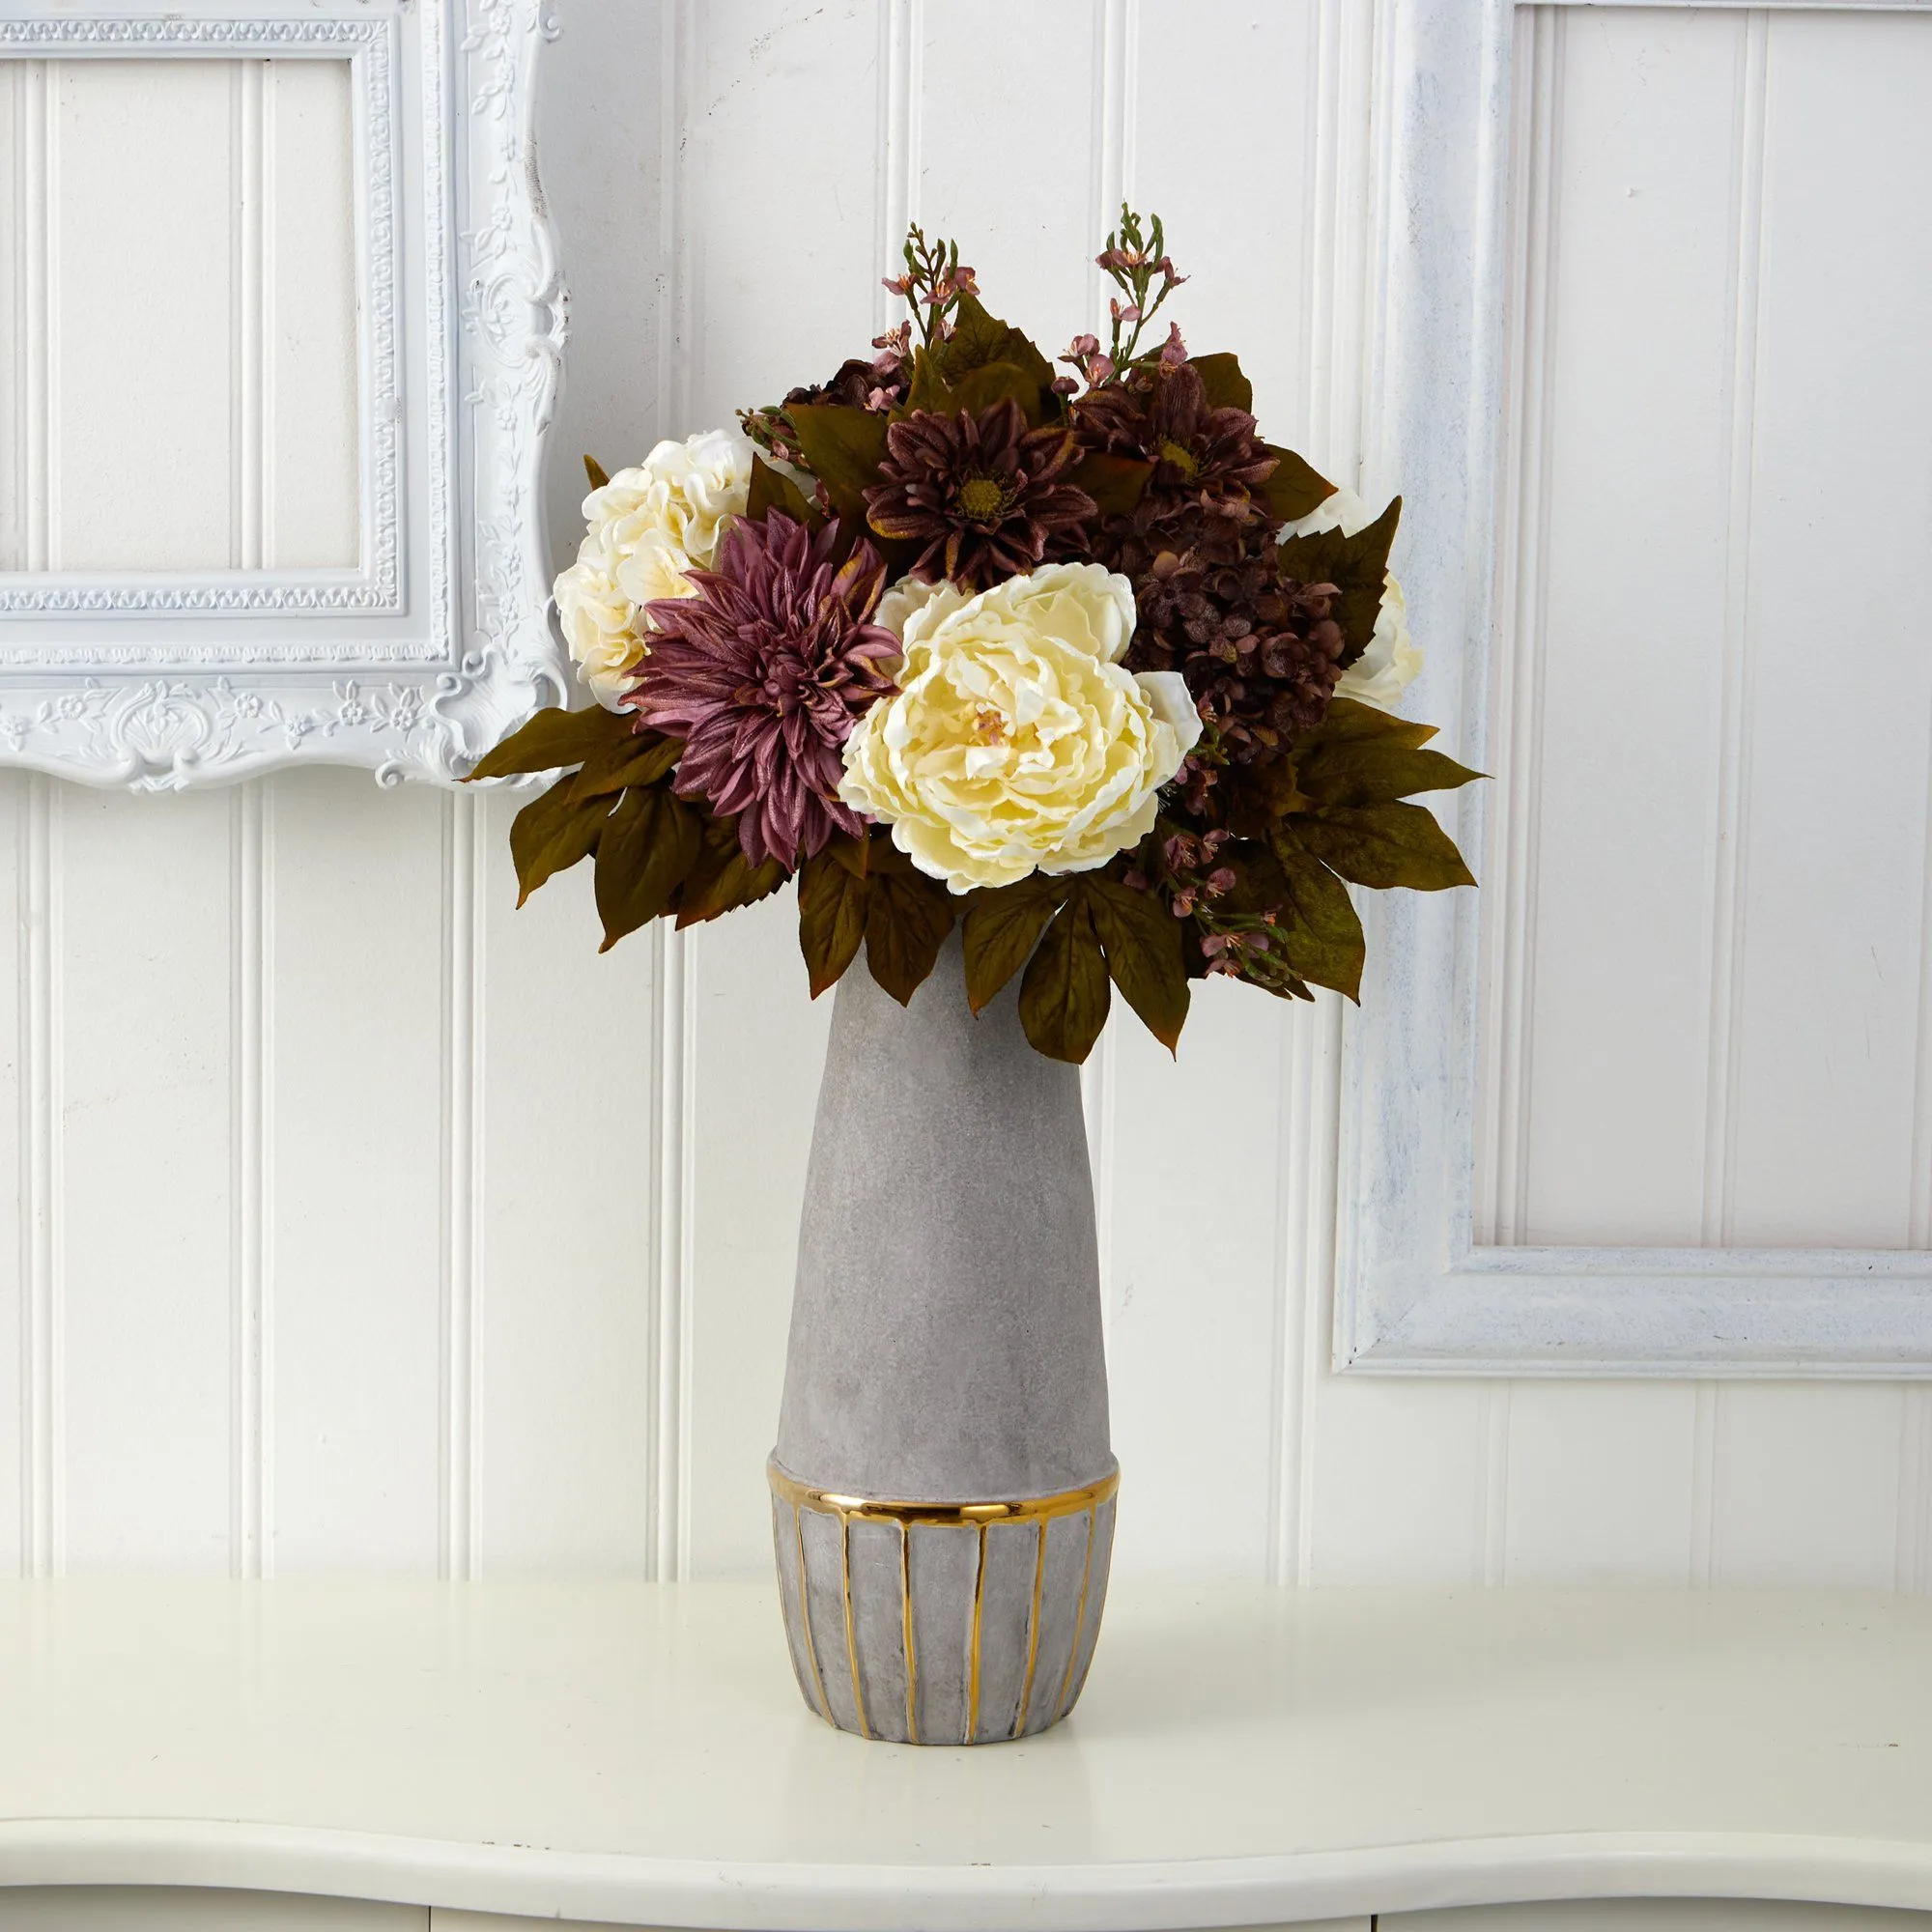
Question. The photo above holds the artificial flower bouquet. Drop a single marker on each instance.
(1076, 661)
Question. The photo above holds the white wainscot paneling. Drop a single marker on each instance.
(1707, 958)
(365, 1220)
(353, 1281)
(194, 321)
(141, 1074)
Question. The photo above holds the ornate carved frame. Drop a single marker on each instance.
(417, 660)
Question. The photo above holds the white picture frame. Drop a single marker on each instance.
(417, 660)
(1415, 1294)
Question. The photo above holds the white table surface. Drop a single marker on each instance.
(634, 1752)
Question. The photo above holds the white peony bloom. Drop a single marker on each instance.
(1016, 742)
(648, 527)
(1389, 665)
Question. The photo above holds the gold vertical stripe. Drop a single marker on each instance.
(1080, 1614)
(1033, 1627)
(973, 1650)
(804, 1616)
(851, 1635)
(1040, 1511)
(912, 1666)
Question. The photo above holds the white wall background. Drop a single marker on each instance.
(364, 1221)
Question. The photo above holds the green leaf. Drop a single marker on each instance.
(842, 448)
(551, 834)
(832, 908)
(1116, 483)
(1321, 938)
(1226, 387)
(647, 848)
(855, 854)
(929, 388)
(1376, 771)
(1142, 939)
(1385, 846)
(595, 470)
(773, 490)
(1257, 796)
(1348, 720)
(723, 879)
(1297, 488)
(907, 918)
(979, 339)
(1357, 566)
(552, 739)
(1001, 927)
(641, 759)
(1064, 996)
(980, 389)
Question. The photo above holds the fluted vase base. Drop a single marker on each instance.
(942, 1623)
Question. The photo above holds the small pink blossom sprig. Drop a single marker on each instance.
(1235, 945)
(1085, 354)
(934, 282)
(1135, 260)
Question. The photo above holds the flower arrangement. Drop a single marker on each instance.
(1078, 663)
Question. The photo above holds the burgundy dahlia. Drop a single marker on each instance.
(764, 673)
(983, 493)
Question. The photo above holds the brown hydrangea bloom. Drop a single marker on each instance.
(1260, 653)
(983, 494)
(878, 385)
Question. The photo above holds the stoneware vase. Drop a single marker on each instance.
(943, 1486)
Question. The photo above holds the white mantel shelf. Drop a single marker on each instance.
(637, 1754)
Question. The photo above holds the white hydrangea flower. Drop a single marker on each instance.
(599, 627)
(1016, 741)
(1390, 663)
(647, 529)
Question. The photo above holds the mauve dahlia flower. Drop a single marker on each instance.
(764, 673)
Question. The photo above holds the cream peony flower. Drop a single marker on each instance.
(1389, 665)
(648, 528)
(1016, 742)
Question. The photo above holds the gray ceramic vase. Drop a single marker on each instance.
(943, 1486)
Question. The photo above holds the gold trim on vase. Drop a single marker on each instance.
(847, 1510)
(868, 1509)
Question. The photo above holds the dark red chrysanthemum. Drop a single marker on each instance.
(1207, 492)
(983, 493)
(764, 673)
